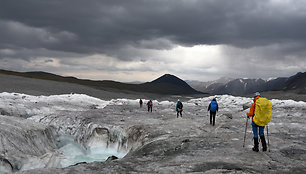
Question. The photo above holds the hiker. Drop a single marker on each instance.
(140, 102)
(150, 105)
(260, 124)
(179, 108)
(213, 108)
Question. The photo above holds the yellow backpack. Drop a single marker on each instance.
(263, 111)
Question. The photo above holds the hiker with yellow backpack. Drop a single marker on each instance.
(260, 112)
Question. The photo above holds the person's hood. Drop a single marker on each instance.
(256, 98)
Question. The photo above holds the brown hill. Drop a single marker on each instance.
(167, 84)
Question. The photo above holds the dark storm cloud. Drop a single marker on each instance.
(98, 26)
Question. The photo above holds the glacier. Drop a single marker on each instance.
(76, 132)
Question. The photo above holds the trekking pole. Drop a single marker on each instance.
(246, 125)
(268, 138)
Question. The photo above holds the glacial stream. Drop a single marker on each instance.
(74, 152)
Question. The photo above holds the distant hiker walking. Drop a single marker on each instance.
(179, 108)
(260, 112)
(213, 108)
(150, 105)
(140, 103)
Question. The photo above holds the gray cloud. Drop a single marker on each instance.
(99, 25)
(267, 29)
(275, 60)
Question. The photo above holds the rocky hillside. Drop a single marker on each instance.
(166, 84)
(296, 83)
(242, 86)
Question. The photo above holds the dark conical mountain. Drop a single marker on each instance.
(170, 84)
(170, 79)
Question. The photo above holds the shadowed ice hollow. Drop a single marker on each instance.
(41, 131)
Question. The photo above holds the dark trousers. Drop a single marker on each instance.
(212, 117)
(149, 108)
(179, 112)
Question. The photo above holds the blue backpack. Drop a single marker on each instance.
(179, 105)
(213, 106)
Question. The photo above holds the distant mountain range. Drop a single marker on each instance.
(209, 85)
(166, 84)
(171, 85)
(243, 86)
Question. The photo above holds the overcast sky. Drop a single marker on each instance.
(140, 40)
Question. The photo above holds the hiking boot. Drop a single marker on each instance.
(255, 148)
(263, 142)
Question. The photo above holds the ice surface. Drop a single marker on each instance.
(27, 106)
(88, 129)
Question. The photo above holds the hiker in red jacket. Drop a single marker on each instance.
(150, 105)
(140, 103)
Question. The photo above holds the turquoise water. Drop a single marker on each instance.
(73, 153)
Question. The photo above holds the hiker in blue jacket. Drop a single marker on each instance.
(179, 108)
(213, 108)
